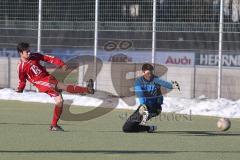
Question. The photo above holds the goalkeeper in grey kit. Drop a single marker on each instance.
(147, 89)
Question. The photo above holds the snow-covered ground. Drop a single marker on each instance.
(199, 106)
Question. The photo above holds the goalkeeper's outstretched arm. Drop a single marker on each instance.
(168, 85)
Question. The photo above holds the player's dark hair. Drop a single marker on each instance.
(22, 46)
(147, 66)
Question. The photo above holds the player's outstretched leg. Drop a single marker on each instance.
(135, 123)
(57, 114)
(78, 89)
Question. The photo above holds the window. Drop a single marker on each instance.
(134, 10)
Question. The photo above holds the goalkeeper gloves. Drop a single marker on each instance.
(175, 85)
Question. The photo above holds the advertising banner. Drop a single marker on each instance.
(229, 60)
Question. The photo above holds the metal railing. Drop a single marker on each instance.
(209, 26)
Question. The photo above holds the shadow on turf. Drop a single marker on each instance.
(200, 133)
(184, 133)
(111, 151)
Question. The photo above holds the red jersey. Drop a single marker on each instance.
(33, 71)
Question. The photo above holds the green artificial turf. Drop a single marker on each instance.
(24, 135)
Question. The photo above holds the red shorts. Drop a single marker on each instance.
(48, 85)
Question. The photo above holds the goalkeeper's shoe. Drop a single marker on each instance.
(90, 86)
(152, 129)
(55, 128)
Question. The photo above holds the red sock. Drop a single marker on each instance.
(56, 115)
(76, 89)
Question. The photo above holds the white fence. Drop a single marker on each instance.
(194, 80)
(199, 26)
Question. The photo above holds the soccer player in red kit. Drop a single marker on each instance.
(29, 68)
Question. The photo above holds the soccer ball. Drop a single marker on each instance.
(223, 124)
